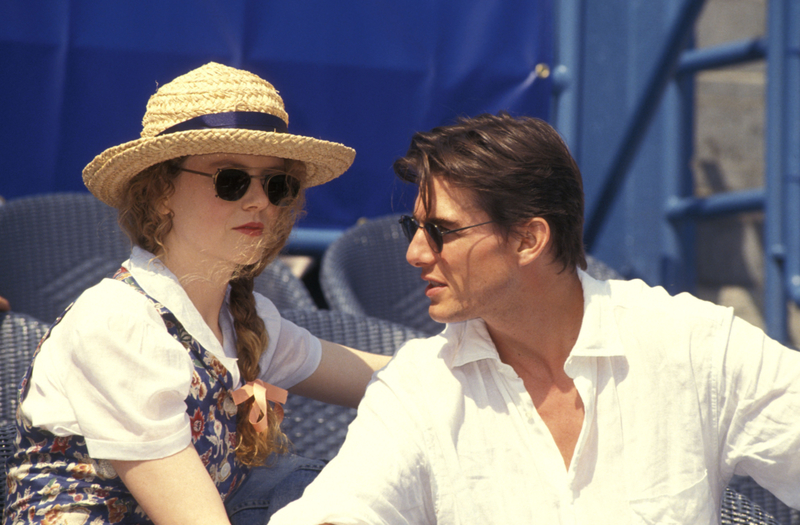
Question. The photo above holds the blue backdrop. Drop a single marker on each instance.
(77, 75)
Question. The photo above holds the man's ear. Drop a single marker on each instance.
(534, 240)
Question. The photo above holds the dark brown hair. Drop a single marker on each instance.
(145, 217)
(516, 169)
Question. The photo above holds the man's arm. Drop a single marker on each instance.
(382, 472)
(759, 414)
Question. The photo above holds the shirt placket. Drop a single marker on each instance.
(540, 439)
(583, 372)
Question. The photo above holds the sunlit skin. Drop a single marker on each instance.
(210, 234)
(469, 277)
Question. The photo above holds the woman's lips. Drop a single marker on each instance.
(253, 229)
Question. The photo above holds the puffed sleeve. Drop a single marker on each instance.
(111, 372)
(759, 407)
(293, 353)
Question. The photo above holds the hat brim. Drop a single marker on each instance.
(109, 172)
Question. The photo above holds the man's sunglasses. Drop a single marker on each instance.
(435, 233)
(231, 184)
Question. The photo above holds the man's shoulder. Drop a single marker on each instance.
(655, 302)
(421, 349)
(418, 358)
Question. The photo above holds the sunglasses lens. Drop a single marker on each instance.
(410, 227)
(231, 184)
(435, 235)
(282, 189)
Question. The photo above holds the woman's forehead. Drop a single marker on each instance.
(234, 160)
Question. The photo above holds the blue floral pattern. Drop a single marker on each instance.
(53, 480)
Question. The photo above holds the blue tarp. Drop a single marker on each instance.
(76, 76)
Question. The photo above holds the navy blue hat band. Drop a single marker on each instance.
(233, 119)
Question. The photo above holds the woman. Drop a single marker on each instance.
(128, 413)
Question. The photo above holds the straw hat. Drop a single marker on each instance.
(213, 109)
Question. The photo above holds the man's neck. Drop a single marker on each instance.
(542, 323)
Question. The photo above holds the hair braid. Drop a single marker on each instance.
(251, 335)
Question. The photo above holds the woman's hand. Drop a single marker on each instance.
(342, 375)
(176, 489)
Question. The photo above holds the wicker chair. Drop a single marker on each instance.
(284, 289)
(53, 247)
(744, 497)
(19, 337)
(317, 429)
(365, 272)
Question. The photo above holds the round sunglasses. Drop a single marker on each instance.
(231, 184)
(435, 233)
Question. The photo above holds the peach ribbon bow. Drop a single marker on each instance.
(263, 392)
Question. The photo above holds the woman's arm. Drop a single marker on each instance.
(342, 375)
(175, 489)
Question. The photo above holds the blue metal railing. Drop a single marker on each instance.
(676, 41)
(780, 197)
(782, 228)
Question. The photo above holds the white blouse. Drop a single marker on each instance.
(112, 373)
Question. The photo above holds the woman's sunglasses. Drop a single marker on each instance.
(435, 233)
(231, 184)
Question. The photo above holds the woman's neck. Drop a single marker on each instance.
(205, 285)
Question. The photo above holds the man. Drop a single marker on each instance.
(551, 397)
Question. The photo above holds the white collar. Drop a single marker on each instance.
(161, 284)
(470, 341)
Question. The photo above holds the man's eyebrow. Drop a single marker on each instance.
(442, 223)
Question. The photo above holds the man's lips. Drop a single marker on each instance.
(254, 229)
(433, 287)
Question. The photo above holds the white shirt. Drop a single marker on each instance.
(678, 395)
(112, 373)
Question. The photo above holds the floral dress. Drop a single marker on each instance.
(53, 480)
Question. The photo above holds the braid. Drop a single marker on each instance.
(251, 334)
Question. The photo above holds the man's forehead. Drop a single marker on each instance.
(442, 200)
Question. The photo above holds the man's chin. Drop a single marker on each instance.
(440, 315)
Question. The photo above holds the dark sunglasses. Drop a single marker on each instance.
(231, 184)
(435, 233)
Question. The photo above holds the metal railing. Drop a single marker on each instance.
(780, 196)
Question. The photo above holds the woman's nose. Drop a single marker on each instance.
(255, 197)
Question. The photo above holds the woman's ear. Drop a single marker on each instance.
(534, 240)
